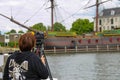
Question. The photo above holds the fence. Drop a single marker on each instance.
(86, 48)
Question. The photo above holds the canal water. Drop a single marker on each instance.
(84, 66)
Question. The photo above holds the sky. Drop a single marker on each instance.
(30, 12)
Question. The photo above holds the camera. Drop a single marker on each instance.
(39, 38)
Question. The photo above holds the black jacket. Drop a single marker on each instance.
(24, 66)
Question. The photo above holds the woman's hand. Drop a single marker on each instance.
(43, 59)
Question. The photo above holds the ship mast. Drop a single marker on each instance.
(97, 5)
(97, 10)
(52, 17)
(18, 23)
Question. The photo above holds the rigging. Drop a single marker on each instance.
(97, 5)
(36, 12)
(76, 11)
(21, 9)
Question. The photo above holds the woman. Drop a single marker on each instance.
(25, 65)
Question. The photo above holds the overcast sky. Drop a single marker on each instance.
(38, 11)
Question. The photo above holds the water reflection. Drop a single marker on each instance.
(89, 66)
(86, 66)
(107, 66)
(72, 66)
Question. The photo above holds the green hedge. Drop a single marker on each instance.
(64, 34)
(1, 44)
(13, 44)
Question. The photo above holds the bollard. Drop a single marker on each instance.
(4, 62)
(107, 47)
(97, 47)
(86, 48)
(54, 49)
(6, 57)
(65, 49)
(117, 47)
(76, 48)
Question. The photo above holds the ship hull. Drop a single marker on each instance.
(59, 43)
(71, 42)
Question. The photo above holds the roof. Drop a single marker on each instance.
(110, 12)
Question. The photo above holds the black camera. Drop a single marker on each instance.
(39, 38)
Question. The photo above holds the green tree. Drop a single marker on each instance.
(11, 31)
(81, 26)
(39, 27)
(20, 31)
(59, 27)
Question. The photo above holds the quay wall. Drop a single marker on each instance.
(79, 49)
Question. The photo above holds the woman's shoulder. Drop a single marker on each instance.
(12, 54)
(33, 55)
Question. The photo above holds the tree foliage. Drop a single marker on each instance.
(59, 27)
(39, 27)
(20, 31)
(11, 31)
(81, 26)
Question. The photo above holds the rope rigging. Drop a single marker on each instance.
(36, 12)
(20, 10)
(76, 11)
(56, 11)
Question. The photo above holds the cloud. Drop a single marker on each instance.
(36, 11)
(10, 3)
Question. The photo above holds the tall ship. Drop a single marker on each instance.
(71, 40)
(106, 32)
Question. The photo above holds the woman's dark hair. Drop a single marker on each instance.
(27, 41)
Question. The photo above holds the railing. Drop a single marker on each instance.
(86, 48)
(81, 48)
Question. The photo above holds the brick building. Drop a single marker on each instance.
(13, 37)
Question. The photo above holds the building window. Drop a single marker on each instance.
(100, 22)
(112, 21)
(112, 27)
(116, 27)
(112, 12)
(6, 37)
(100, 29)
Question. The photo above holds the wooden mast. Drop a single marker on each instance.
(97, 5)
(97, 9)
(52, 17)
(18, 23)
